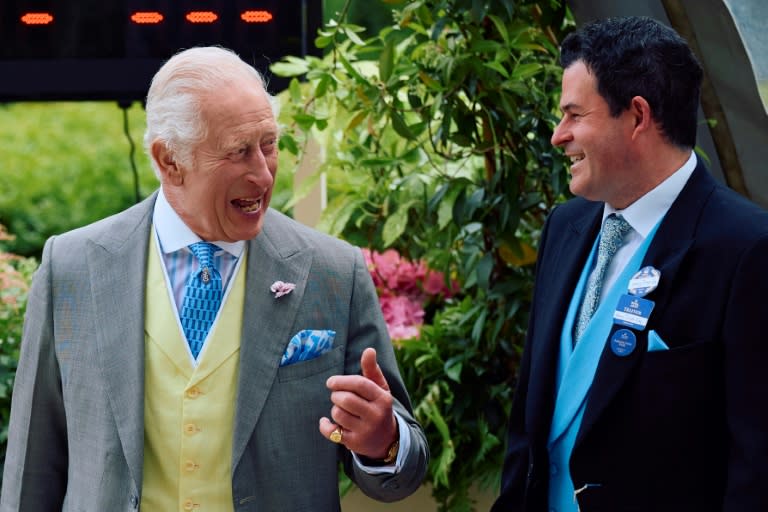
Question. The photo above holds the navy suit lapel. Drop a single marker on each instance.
(569, 247)
(666, 253)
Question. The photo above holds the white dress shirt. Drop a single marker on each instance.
(643, 215)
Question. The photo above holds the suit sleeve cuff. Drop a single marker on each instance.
(405, 445)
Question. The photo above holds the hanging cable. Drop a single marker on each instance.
(124, 106)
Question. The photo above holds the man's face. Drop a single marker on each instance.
(598, 145)
(227, 187)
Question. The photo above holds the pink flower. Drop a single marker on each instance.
(434, 284)
(404, 287)
(280, 288)
(403, 315)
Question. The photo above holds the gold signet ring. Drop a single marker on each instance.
(336, 435)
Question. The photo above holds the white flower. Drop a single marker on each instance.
(280, 288)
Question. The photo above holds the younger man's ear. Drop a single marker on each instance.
(170, 171)
(641, 113)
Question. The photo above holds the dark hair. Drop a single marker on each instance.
(639, 56)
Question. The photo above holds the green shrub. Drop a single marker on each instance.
(15, 276)
(65, 165)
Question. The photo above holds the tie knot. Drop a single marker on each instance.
(614, 231)
(203, 251)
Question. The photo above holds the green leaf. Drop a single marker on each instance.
(453, 367)
(398, 123)
(438, 27)
(336, 216)
(395, 226)
(352, 36)
(429, 81)
(356, 120)
(478, 327)
(287, 142)
(445, 210)
(351, 70)
(294, 90)
(483, 271)
(523, 71)
(322, 86)
(323, 41)
(485, 46)
(305, 121)
(472, 227)
(290, 66)
(377, 161)
(498, 67)
(474, 201)
(501, 27)
(387, 60)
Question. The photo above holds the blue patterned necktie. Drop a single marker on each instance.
(202, 297)
(612, 237)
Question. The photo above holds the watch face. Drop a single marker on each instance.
(110, 49)
(392, 452)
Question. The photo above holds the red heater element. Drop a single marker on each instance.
(76, 50)
(256, 16)
(37, 18)
(202, 16)
(146, 17)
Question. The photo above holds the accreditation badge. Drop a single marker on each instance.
(644, 281)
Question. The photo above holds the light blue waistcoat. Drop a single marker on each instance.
(575, 372)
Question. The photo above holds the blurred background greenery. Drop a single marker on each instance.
(64, 165)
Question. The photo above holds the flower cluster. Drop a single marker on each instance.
(404, 288)
(13, 285)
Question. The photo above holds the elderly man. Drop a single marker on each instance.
(200, 351)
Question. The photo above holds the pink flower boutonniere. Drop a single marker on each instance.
(280, 288)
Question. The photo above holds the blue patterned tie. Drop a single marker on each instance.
(612, 237)
(202, 297)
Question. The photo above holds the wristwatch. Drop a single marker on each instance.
(392, 451)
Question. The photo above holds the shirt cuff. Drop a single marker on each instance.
(405, 445)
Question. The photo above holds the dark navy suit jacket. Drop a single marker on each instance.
(684, 429)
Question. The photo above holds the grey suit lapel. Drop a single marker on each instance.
(267, 323)
(117, 262)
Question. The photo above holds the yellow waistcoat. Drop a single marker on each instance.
(188, 412)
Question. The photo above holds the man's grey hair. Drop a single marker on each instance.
(174, 99)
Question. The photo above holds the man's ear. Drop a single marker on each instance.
(641, 113)
(170, 171)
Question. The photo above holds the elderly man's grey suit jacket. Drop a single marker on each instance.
(76, 430)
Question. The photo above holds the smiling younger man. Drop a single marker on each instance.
(128, 395)
(642, 382)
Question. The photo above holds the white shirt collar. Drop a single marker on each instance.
(175, 235)
(647, 211)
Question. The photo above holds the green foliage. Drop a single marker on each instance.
(436, 134)
(15, 276)
(65, 165)
(372, 15)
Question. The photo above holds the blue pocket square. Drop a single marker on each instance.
(655, 343)
(308, 344)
